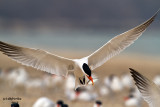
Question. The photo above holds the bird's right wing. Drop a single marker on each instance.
(149, 90)
(38, 59)
(117, 44)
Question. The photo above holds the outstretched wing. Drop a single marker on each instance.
(117, 44)
(150, 92)
(38, 59)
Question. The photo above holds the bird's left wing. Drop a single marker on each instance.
(117, 44)
(149, 90)
(38, 59)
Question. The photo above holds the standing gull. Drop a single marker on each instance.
(82, 68)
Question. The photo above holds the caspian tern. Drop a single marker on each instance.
(132, 101)
(44, 102)
(104, 91)
(149, 90)
(82, 68)
(59, 103)
(97, 104)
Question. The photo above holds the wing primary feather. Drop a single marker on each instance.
(38, 59)
(149, 90)
(118, 44)
(5, 45)
(139, 79)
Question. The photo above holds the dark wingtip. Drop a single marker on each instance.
(156, 14)
(140, 80)
(132, 71)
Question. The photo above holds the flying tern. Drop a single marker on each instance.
(83, 67)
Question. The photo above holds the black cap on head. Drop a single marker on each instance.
(65, 105)
(60, 102)
(98, 102)
(86, 69)
(14, 104)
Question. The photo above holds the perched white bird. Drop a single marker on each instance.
(57, 80)
(149, 90)
(116, 84)
(44, 102)
(59, 103)
(4, 73)
(156, 80)
(104, 91)
(35, 83)
(48, 80)
(71, 95)
(55, 64)
(113, 83)
(97, 104)
(86, 96)
(81, 94)
(22, 77)
(132, 101)
(127, 81)
(18, 76)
